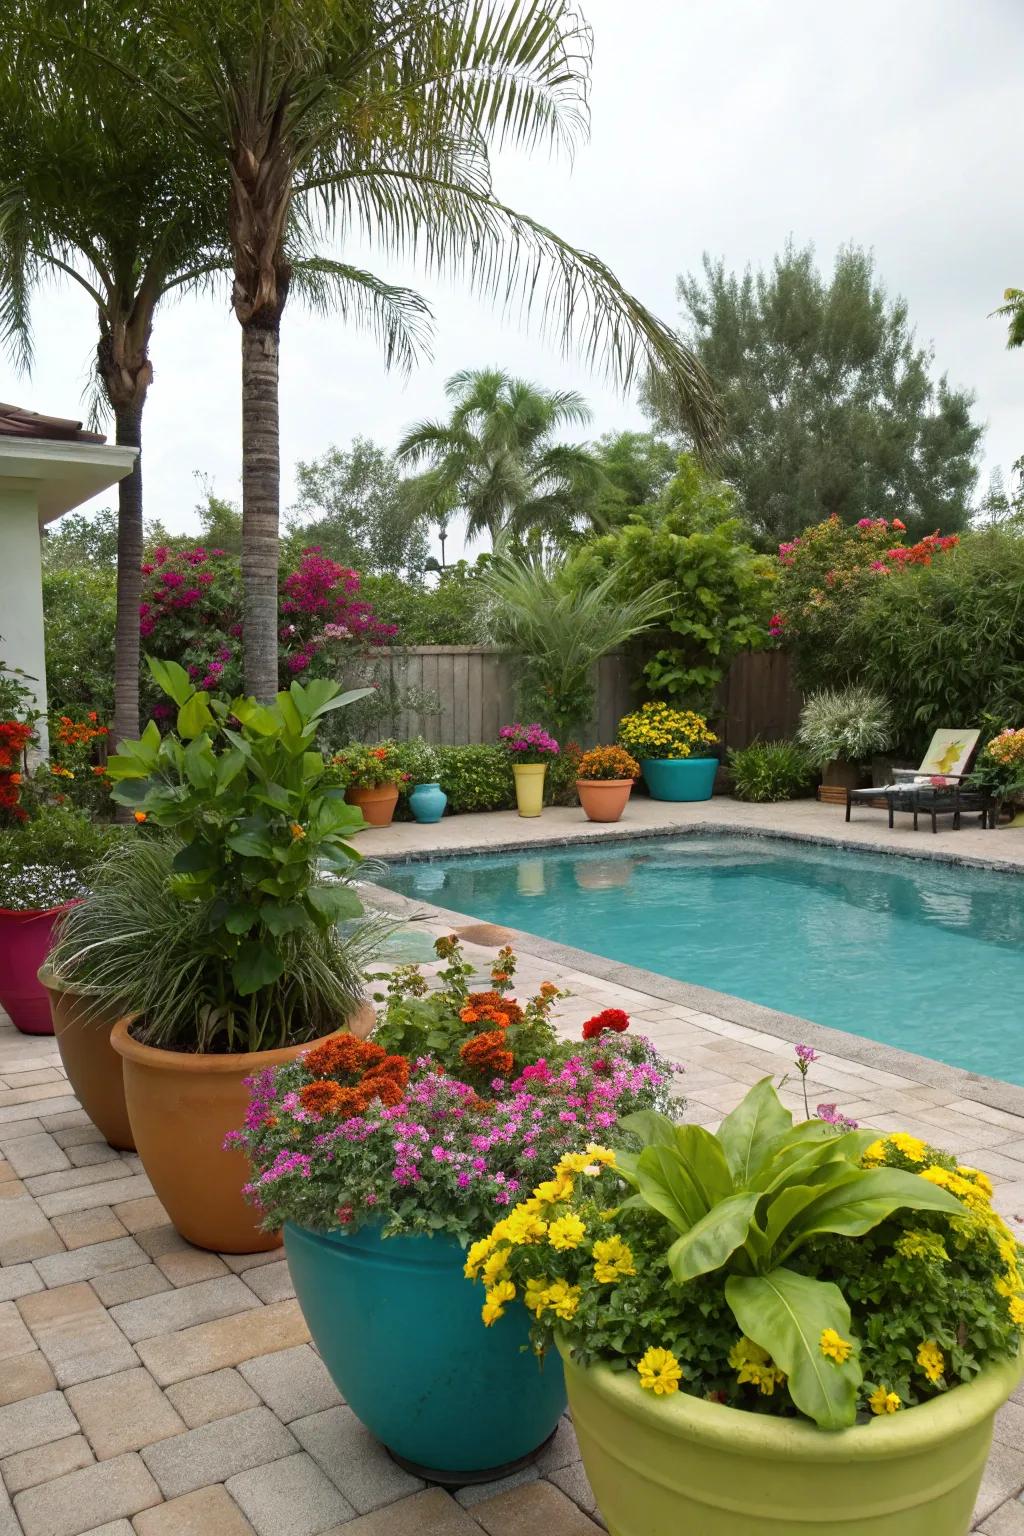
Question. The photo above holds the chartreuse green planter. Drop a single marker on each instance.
(665, 1466)
(680, 778)
(399, 1329)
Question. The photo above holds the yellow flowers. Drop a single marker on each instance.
(833, 1347)
(659, 1371)
(755, 1366)
(612, 1259)
(589, 1162)
(523, 1226)
(494, 1305)
(1017, 1310)
(657, 730)
(562, 1299)
(912, 1147)
(536, 1297)
(874, 1155)
(931, 1360)
(296, 831)
(883, 1401)
(496, 1267)
(567, 1232)
(966, 1190)
(554, 1190)
(476, 1256)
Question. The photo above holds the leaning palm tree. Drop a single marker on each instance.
(497, 460)
(376, 117)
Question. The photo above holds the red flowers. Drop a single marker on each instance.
(608, 1018)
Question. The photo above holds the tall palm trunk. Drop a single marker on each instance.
(261, 495)
(128, 421)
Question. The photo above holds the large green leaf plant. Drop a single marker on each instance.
(263, 837)
(744, 1201)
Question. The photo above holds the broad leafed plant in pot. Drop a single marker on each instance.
(672, 748)
(604, 783)
(236, 961)
(371, 777)
(385, 1159)
(774, 1328)
(530, 749)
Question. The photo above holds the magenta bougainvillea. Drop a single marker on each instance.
(191, 612)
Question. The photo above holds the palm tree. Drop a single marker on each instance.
(375, 117)
(496, 459)
(94, 192)
(1012, 309)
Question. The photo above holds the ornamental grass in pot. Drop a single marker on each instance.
(775, 1328)
(231, 958)
(384, 1159)
(604, 783)
(841, 729)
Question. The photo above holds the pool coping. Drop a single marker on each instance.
(961, 1083)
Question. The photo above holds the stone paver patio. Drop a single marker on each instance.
(148, 1387)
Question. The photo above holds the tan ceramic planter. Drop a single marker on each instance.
(377, 804)
(82, 1028)
(604, 799)
(181, 1107)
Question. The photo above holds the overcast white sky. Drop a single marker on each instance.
(720, 125)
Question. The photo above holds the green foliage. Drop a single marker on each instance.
(720, 591)
(81, 539)
(830, 403)
(476, 778)
(365, 766)
(47, 860)
(244, 790)
(417, 762)
(445, 614)
(637, 466)
(557, 628)
(80, 613)
(354, 505)
(845, 725)
(770, 770)
(1012, 309)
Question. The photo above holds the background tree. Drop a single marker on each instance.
(377, 120)
(498, 461)
(81, 539)
(829, 402)
(636, 466)
(355, 505)
(1012, 309)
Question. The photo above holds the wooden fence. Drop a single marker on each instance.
(474, 687)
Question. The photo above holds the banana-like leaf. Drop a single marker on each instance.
(787, 1313)
(705, 1162)
(751, 1131)
(793, 1161)
(669, 1190)
(652, 1128)
(712, 1241)
(859, 1203)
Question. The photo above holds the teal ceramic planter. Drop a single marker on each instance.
(399, 1329)
(427, 802)
(682, 778)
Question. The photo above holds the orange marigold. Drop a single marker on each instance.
(488, 1053)
(340, 1055)
(324, 1098)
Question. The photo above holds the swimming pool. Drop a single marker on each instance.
(910, 952)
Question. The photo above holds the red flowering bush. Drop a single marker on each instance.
(607, 1019)
(15, 737)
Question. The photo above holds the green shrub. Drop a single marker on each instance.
(770, 770)
(476, 778)
(445, 614)
(845, 725)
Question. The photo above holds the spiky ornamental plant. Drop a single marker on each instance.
(845, 725)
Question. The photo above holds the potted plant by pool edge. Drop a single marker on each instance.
(371, 778)
(999, 771)
(396, 1164)
(82, 1027)
(670, 746)
(605, 782)
(530, 749)
(240, 962)
(843, 728)
(858, 1280)
(418, 763)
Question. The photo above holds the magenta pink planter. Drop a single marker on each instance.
(24, 944)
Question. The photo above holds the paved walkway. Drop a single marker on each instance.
(147, 1387)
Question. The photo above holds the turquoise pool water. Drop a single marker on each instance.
(913, 953)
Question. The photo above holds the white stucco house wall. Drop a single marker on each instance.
(48, 466)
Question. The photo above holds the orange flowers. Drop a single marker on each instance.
(141, 816)
(372, 1073)
(487, 1053)
(491, 1008)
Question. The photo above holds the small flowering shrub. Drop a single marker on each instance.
(811, 1269)
(366, 767)
(607, 763)
(15, 739)
(528, 743)
(45, 861)
(1000, 765)
(658, 730)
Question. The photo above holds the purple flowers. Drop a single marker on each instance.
(830, 1114)
(805, 1054)
(528, 743)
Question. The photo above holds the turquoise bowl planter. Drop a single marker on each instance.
(680, 778)
(427, 802)
(399, 1329)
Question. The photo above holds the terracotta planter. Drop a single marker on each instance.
(82, 1027)
(377, 804)
(181, 1106)
(604, 799)
(25, 939)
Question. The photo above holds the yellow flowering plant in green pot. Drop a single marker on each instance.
(778, 1327)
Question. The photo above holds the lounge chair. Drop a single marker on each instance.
(936, 787)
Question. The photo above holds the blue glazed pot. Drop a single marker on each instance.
(682, 778)
(427, 802)
(399, 1329)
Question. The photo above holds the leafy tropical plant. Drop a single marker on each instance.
(845, 725)
(558, 628)
(770, 770)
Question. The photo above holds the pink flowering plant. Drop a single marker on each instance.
(528, 743)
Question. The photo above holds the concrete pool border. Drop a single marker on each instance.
(993, 1092)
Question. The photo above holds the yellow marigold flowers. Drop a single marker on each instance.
(536, 1296)
(566, 1232)
(612, 1259)
(874, 1155)
(912, 1147)
(931, 1360)
(976, 1176)
(494, 1306)
(572, 1162)
(475, 1257)
(922, 1245)
(883, 1401)
(562, 1299)
(833, 1347)
(523, 1226)
(554, 1190)
(603, 1155)
(659, 1371)
(755, 1367)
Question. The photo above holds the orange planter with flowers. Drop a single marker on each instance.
(371, 776)
(605, 782)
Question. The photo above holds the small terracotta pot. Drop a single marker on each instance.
(604, 799)
(82, 1027)
(181, 1106)
(377, 804)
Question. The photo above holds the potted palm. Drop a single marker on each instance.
(530, 749)
(371, 777)
(671, 745)
(841, 729)
(237, 962)
(783, 1327)
(604, 783)
(383, 1162)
